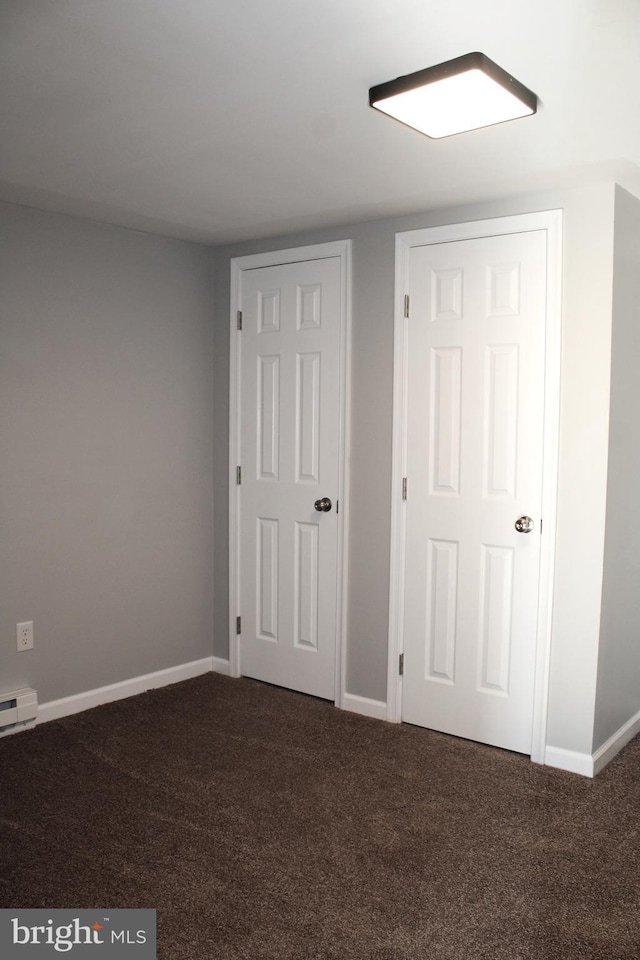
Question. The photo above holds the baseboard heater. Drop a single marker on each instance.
(17, 707)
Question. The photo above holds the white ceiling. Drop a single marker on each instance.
(221, 120)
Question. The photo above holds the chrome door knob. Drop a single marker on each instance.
(524, 524)
(324, 505)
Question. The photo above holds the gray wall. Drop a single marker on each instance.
(106, 457)
(586, 329)
(114, 437)
(618, 691)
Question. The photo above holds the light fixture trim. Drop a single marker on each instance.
(517, 99)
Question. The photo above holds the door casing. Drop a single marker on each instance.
(551, 222)
(342, 250)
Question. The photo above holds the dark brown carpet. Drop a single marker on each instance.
(265, 825)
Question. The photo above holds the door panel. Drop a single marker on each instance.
(475, 411)
(290, 435)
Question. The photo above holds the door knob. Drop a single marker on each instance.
(524, 524)
(324, 505)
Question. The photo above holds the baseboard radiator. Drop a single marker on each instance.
(17, 708)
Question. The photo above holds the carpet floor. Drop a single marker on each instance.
(265, 825)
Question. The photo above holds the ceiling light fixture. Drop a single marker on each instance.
(462, 94)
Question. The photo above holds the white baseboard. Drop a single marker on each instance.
(218, 665)
(365, 706)
(569, 760)
(582, 763)
(127, 688)
(615, 743)
(591, 764)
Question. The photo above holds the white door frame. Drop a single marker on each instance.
(551, 221)
(337, 248)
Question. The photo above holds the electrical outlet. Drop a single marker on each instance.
(24, 636)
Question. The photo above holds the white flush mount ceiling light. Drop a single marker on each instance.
(462, 94)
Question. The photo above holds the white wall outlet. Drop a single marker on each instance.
(24, 636)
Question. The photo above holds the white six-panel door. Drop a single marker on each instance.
(474, 417)
(289, 453)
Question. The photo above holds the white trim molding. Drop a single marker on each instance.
(365, 706)
(78, 702)
(615, 743)
(569, 760)
(320, 251)
(551, 222)
(218, 665)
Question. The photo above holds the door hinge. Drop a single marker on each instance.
(404, 488)
(238, 475)
(239, 320)
(406, 305)
(401, 664)
(540, 526)
(238, 625)
(337, 506)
